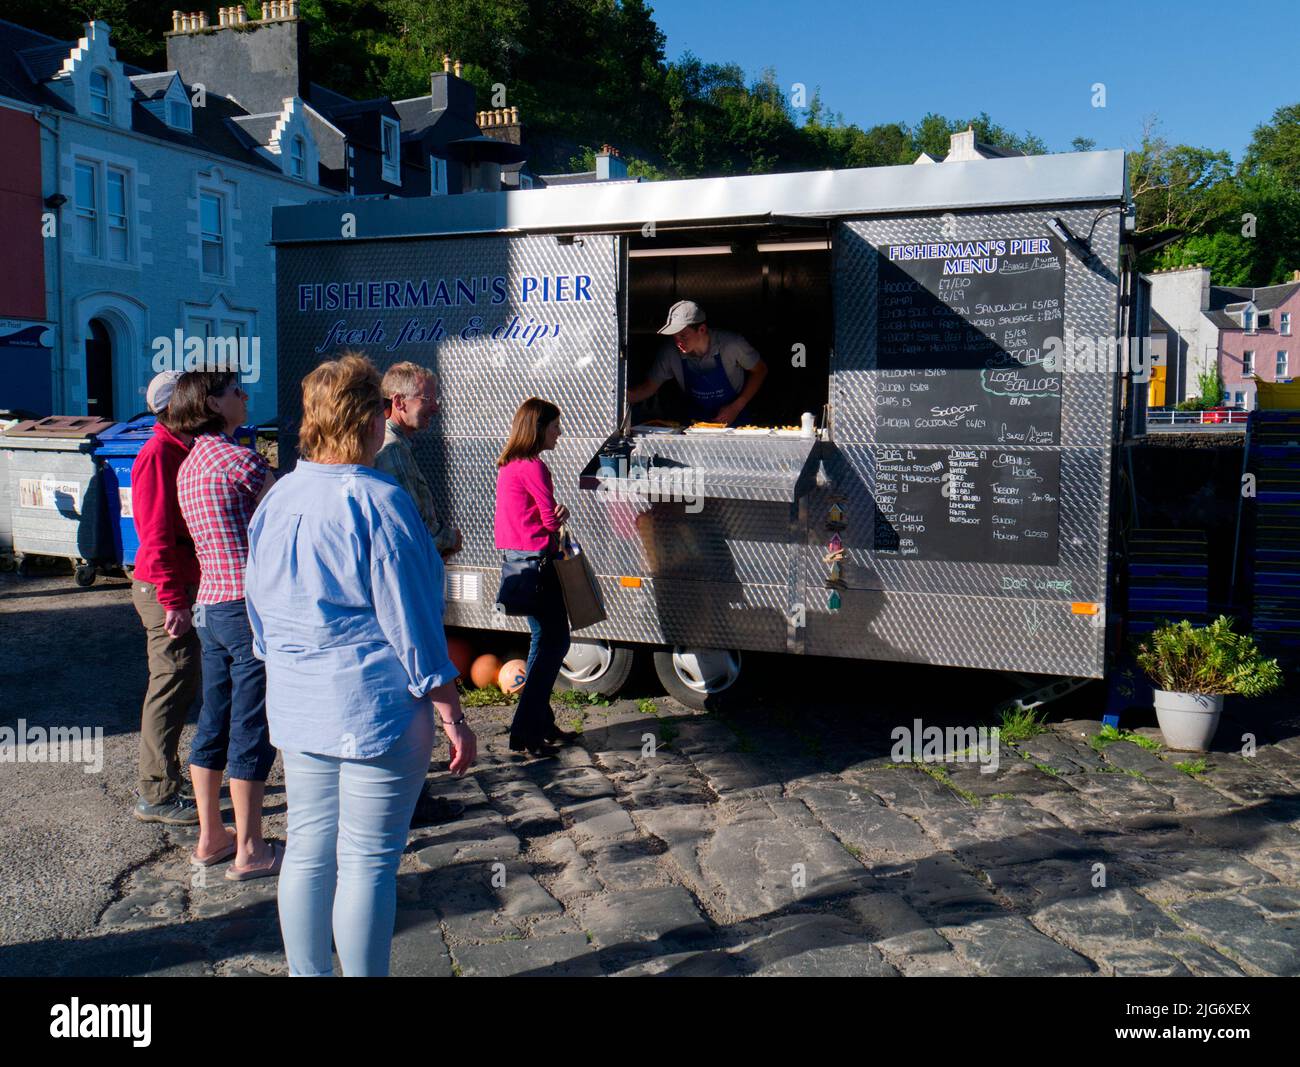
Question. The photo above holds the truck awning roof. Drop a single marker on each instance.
(1070, 177)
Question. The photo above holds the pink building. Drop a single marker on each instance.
(1259, 337)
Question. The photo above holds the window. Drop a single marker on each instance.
(101, 103)
(118, 235)
(390, 134)
(1284, 323)
(1238, 399)
(437, 176)
(1248, 320)
(212, 227)
(1247, 364)
(298, 158)
(87, 211)
(1281, 370)
(178, 114)
(525, 181)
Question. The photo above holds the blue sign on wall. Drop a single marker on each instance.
(25, 378)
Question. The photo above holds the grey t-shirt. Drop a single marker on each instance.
(737, 356)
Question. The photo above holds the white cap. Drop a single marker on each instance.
(682, 314)
(159, 393)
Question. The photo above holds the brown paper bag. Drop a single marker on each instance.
(578, 583)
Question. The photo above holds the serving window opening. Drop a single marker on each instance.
(771, 285)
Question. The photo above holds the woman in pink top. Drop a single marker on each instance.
(527, 525)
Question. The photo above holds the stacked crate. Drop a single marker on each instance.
(1168, 578)
(1273, 457)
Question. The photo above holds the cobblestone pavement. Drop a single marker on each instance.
(781, 839)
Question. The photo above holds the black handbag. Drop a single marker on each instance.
(520, 592)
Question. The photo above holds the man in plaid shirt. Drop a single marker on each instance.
(411, 393)
(220, 484)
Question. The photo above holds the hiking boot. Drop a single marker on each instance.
(174, 811)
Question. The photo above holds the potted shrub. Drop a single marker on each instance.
(1194, 668)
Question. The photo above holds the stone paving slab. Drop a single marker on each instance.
(667, 918)
(714, 963)
(594, 823)
(1007, 945)
(419, 948)
(564, 956)
(904, 937)
(861, 820)
(477, 837)
(794, 946)
(1265, 942)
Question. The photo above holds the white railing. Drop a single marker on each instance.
(1196, 419)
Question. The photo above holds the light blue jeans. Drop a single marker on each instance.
(348, 822)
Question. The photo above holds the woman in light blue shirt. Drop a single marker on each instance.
(344, 592)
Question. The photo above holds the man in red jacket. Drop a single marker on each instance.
(166, 579)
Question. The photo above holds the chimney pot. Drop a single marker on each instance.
(446, 63)
(203, 20)
(514, 119)
(176, 20)
(456, 68)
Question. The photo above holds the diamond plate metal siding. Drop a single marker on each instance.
(731, 572)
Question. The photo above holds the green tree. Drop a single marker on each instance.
(1275, 146)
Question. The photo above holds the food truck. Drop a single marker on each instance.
(926, 474)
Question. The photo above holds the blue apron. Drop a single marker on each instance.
(708, 390)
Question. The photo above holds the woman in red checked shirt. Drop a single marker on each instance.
(219, 485)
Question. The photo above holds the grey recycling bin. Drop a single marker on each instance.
(55, 491)
(6, 509)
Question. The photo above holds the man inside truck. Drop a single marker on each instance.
(718, 371)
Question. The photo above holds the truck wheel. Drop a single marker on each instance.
(24, 567)
(596, 667)
(704, 678)
(85, 575)
(7, 564)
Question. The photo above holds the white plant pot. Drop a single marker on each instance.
(1188, 720)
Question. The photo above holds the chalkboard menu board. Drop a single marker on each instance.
(985, 505)
(961, 334)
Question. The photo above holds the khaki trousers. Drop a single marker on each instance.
(174, 678)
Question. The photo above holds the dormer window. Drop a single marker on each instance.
(298, 158)
(178, 115)
(1248, 320)
(390, 135)
(101, 101)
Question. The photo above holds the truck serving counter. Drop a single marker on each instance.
(952, 504)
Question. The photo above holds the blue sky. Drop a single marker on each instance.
(1211, 72)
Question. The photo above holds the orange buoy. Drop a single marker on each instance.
(512, 675)
(461, 653)
(483, 672)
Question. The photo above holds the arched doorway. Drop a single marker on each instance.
(99, 370)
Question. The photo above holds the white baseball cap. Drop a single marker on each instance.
(159, 393)
(682, 314)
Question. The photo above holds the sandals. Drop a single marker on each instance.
(219, 856)
(247, 874)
